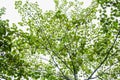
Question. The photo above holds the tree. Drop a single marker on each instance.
(77, 47)
(13, 65)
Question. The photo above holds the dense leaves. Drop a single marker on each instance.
(11, 59)
(78, 43)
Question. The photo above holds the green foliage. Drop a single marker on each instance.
(77, 47)
(2, 11)
(11, 59)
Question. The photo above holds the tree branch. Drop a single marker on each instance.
(65, 77)
(74, 68)
(54, 53)
(70, 56)
(59, 57)
(108, 53)
(105, 70)
(52, 50)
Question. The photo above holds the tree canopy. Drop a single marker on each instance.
(80, 43)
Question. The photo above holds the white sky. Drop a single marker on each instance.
(13, 15)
